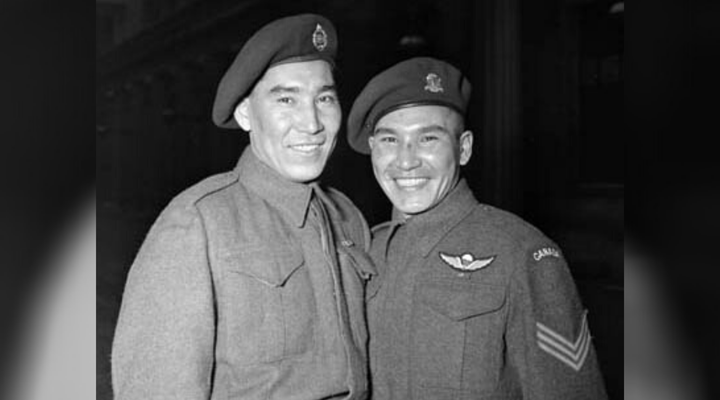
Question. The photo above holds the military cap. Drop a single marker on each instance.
(297, 38)
(414, 82)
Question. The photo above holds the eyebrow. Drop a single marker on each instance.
(422, 130)
(384, 130)
(295, 89)
(433, 128)
(284, 89)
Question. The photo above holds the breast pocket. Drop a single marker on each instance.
(270, 307)
(457, 334)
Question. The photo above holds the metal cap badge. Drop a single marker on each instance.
(433, 83)
(319, 38)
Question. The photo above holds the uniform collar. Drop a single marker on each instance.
(390, 227)
(291, 198)
(434, 224)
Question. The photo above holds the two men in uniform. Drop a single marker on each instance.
(253, 283)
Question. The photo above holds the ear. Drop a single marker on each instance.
(242, 114)
(371, 142)
(466, 142)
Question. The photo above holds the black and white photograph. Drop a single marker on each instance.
(345, 199)
(411, 199)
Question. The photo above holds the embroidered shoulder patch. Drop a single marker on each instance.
(571, 353)
(546, 252)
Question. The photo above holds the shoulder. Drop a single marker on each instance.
(183, 209)
(208, 187)
(177, 240)
(205, 188)
(507, 226)
(536, 262)
(510, 235)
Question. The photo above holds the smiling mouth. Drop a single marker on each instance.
(411, 183)
(306, 148)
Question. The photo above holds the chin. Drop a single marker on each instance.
(303, 175)
(412, 209)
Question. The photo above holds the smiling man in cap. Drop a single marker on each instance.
(470, 302)
(250, 284)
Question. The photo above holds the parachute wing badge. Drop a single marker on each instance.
(467, 262)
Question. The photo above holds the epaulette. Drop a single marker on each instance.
(212, 184)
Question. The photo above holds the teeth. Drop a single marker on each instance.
(306, 147)
(410, 182)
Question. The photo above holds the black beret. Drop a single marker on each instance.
(414, 82)
(297, 38)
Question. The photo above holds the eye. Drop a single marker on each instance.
(429, 138)
(327, 99)
(286, 100)
(387, 139)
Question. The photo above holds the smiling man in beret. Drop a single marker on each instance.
(250, 285)
(470, 302)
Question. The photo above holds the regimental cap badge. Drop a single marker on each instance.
(433, 83)
(319, 38)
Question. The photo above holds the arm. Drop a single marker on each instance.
(548, 337)
(164, 339)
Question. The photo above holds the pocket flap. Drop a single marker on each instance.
(460, 300)
(360, 260)
(272, 267)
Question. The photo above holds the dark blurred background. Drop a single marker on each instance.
(547, 112)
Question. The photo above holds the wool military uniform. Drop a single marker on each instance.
(249, 286)
(471, 302)
(237, 293)
(474, 303)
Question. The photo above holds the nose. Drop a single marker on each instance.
(407, 158)
(309, 120)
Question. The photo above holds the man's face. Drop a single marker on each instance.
(293, 116)
(416, 155)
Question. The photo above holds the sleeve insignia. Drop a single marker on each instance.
(467, 262)
(572, 353)
(546, 252)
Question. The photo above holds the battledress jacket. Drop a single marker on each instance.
(237, 293)
(471, 302)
